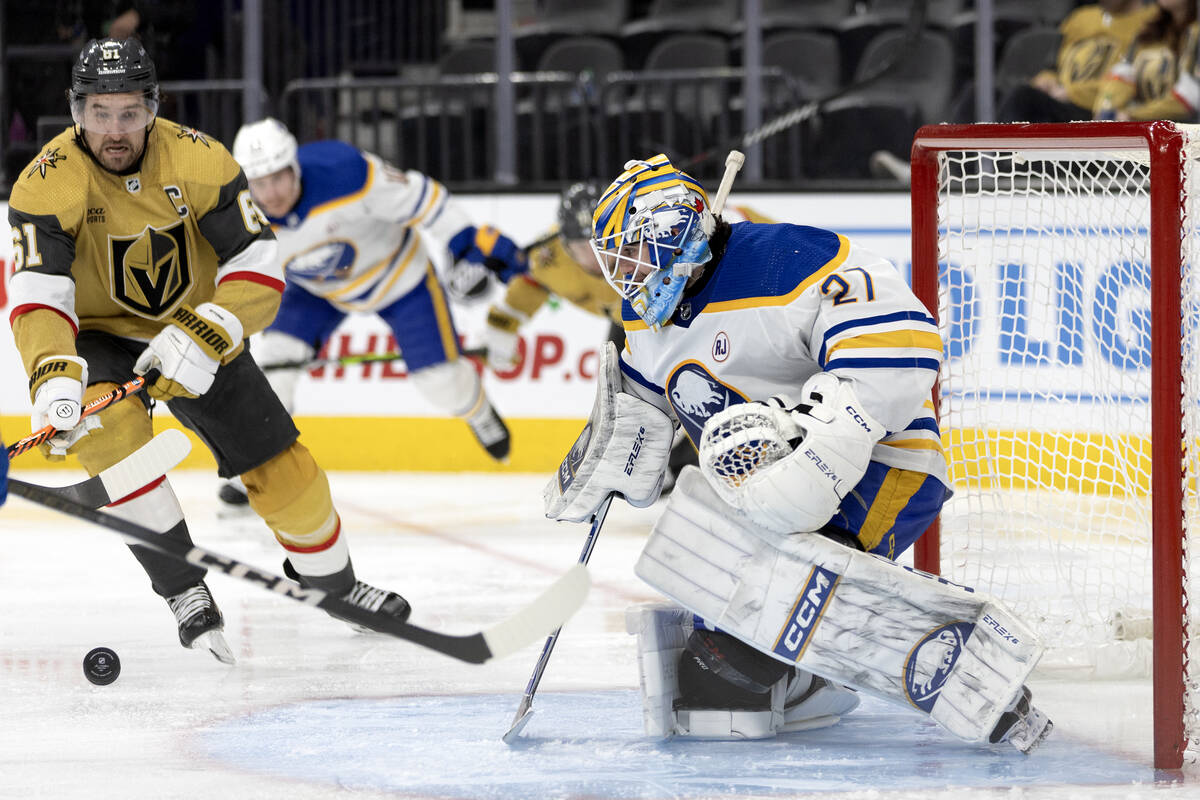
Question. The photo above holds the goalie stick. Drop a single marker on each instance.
(359, 358)
(525, 709)
(548, 611)
(733, 163)
(99, 404)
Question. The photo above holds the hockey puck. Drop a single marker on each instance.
(101, 666)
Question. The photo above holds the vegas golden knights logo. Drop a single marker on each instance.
(150, 271)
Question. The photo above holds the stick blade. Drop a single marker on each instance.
(541, 617)
(524, 712)
(149, 462)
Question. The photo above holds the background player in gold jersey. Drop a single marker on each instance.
(138, 250)
(560, 263)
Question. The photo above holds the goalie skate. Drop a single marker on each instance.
(200, 621)
(1023, 726)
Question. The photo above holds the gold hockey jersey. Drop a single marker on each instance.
(94, 250)
(1093, 40)
(1154, 82)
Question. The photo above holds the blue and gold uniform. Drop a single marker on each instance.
(779, 303)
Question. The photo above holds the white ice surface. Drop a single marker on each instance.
(313, 710)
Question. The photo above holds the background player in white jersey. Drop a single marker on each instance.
(354, 236)
(801, 365)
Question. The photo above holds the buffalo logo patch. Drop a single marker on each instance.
(696, 395)
(930, 662)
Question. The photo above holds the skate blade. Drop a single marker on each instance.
(215, 642)
(1036, 728)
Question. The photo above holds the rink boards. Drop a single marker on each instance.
(368, 417)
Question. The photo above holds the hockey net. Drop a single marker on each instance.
(1059, 259)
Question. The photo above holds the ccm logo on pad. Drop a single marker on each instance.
(806, 613)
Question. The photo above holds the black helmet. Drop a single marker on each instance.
(108, 66)
(575, 209)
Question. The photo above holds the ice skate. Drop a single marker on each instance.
(363, 595)
(1022, 726)
(200, 621)
(491, 431)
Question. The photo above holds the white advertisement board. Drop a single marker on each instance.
(555, 378)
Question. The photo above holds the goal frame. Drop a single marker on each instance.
(1164, 144)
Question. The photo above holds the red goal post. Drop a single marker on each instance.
(1058, 259)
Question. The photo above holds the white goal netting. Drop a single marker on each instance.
(1046, 395)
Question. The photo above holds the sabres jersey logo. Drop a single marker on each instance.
(193, 134)
(47, 160)
(696, 395)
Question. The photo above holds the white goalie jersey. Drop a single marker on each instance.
(362, 233)
(783, 303)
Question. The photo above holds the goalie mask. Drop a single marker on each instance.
(650, 234)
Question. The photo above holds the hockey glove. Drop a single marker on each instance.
(503, 343)
(479, 254)
(788, 466)
(56, 389)
(188, 351)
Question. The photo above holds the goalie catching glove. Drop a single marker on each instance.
(188, 351)
(788, 466)
(623, 449)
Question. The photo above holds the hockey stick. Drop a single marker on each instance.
(525, 709)
(550, 610)
(100, 403)
(148, 463)
(359, 358)
(733, 163)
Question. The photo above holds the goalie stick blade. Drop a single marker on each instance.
(548, 611)
(545, 614)
(524, 712)
(149, 462)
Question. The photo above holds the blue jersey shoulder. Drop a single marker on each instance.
(329, 170)
(769, 260)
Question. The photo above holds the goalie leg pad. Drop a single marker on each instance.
(623, 449)
(662, 630)
(847, 616)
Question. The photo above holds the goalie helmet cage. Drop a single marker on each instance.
(1058, 259)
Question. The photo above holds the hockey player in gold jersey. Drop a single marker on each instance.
(138, 250)
(560, 263)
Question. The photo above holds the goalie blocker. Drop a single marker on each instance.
(850, 617)
(623, 450)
